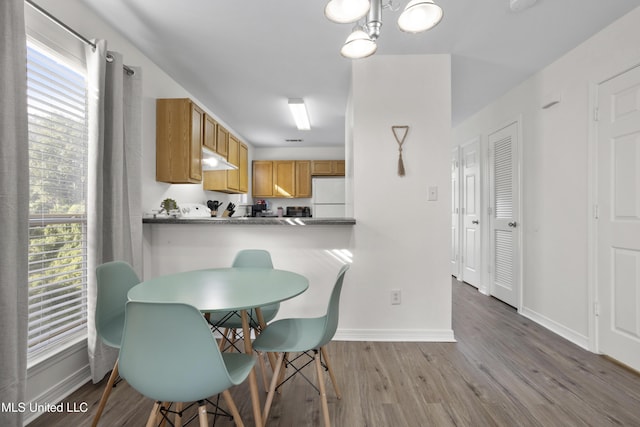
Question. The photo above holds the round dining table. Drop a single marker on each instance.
(226, 289)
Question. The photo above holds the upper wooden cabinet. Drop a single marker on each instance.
(262, 183)
(179, 140)
(222, 141)
(303, 178)
(327, 167)
(230, 181)
(282, 178)
(209, 139)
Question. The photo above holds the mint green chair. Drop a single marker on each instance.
(113, 279)
(169, 354)
(231, 320)
(307, 336)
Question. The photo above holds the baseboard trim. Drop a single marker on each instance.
(555, 327)
(395, 335)
(59, 391)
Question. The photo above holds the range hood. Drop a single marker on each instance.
(212, 161)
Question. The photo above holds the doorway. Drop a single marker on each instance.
(618, 217)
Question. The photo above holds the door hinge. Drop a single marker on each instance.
(596, 114)
(596, 308)
(596, 212)
(489, 211)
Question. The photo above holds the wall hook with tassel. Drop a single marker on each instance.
(400, 137)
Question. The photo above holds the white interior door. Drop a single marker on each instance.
(455, 213)
(618, 228)
(471, 262)
(504, 214)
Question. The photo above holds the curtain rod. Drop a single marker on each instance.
(74, 33)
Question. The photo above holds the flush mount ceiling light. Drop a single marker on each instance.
(299, 113)
(417, 16)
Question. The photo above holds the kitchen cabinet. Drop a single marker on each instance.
(281, 178)
(284, 178)
(303, 179)
(327, 167)
(244, 168)
(262, 178)
(179, 140)
(230, 181)
(209, 138)
(222, 140)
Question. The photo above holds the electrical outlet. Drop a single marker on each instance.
(395, 297)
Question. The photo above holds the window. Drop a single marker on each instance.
(57, 108)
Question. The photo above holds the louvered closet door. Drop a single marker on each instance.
(504, 236)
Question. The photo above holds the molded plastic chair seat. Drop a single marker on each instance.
(303, 335)
(254, 258)
(114, 280)
(169, 354)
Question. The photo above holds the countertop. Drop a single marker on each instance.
(249, 221)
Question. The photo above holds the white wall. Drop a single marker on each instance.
(556, 172)
(401, 240)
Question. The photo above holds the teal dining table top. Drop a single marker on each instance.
(222, 288)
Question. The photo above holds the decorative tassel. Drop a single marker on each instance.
(396, 133)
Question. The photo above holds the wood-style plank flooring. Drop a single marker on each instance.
(504, 371)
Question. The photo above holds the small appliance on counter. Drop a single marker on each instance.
(298, 211)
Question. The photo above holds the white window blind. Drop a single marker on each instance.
(57, 200)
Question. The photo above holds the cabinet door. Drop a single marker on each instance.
(284, 178)
(209, 139)
(321, 167)
(262, 184)
(178, 141)
(303, 178)
(233, 176)
(244, 168)
(222, 141)
(195, 164)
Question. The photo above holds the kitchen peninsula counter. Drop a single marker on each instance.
(279, 221)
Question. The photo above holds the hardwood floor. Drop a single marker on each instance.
(504, 371)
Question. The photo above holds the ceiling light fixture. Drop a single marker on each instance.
(299, 113)
(417, 16)
(346, 11)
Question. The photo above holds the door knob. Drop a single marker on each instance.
(512, 224)
(475, 221)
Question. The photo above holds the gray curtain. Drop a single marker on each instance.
(14, 208)
(114, 194)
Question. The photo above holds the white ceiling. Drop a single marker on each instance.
(244, 58)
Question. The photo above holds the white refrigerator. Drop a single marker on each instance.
(328, 197)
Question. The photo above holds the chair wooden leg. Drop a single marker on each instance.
(202, 415)
(154, 413)
(323, 351)
(283, 370)
(272, 388)
(263, 368)
(105, 394)
(323, 392)
(232, 408)
(177, 421)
